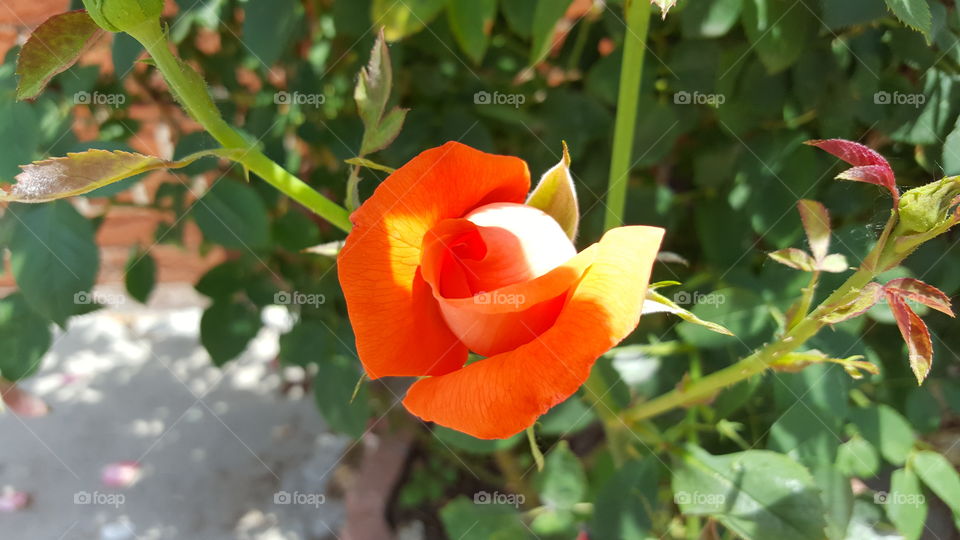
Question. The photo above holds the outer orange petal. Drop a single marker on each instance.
(504, 394)
(397, 322)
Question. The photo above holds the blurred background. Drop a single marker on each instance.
(185, 370)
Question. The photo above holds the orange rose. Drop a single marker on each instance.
(446, 258)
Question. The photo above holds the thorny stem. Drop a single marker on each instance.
(189, 89)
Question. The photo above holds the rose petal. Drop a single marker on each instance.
(504, 394)
(120, 474)
(21, 402)
(398, 325)
(12, 500)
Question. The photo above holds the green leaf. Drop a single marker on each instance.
(19, 136)
(373, 85)
(794, 258)
(939, 475)
(401, 19)
(269, 26)
(53, 47)
(223, 280)
(295, 231)
(837, 497)
(857, 458)
(861, 301)
(233, 215)
(563, 482)
(125, 51)
(915, 14)
(887, 430)
(227, 327)
(778, 30)
(625, 505)
(905, 504)
(83, 172)
(567, 418)
(54, 258)
(384, 133)
(519, 16)
(815, 406)
(306, 343)
(756, 494)
(545, 18)
(24, 338)
(656, 303)
(709, 19)
(140, 275)
(481, 520)
(462, 441)
(364, 162)
(816, 223)
(333, 391)
(556, 195)
(471, 21)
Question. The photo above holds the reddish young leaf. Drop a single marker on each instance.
(915, 334)
(816, 223)
(868, 165)
(53, 47)
(865, 299)
(918, 291)
(794, 258)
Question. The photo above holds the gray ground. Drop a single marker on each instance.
(221, 451)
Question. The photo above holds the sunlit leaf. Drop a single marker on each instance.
(364, 162)
(373, 85)
(868, 165)
(915, 334)
(471, 22)
(657, 303)
(918, 291)
(905, 504)
(865, 299)
(816, 223)
(756, 494)
(913, 13)
(664, 6)
(556, 195)
(794, 258)
(545, 18)
(53, 47)
(380, 136)
(83, 172)
(939, 475)
(400, 19)
(834, 263)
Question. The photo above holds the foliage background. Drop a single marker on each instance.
(723, 179)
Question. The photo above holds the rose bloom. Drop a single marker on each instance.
(445, 259)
